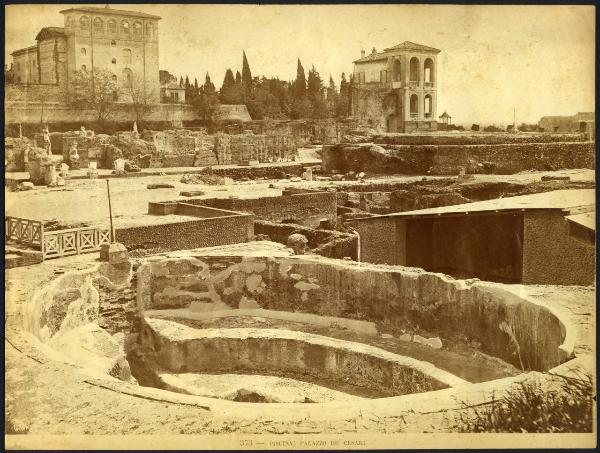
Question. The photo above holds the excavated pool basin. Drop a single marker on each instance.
(277, 364)
(350, 367)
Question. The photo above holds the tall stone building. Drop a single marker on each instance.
(125, 42)
(396, 90)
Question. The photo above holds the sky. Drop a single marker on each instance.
(536, 59)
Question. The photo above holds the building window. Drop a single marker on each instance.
(127, 78)
(114, 78)
(361, 77)
(114, 61)
(137, 29)
(428, 105)
(383, 77)
(396, 71)
(112, 26)
(175, 97)
(414, 69)
(414, 104)
(125, 27)
(69, 21)
(126, 56)
(98, 26)
(83, 51)
(83, 68)
(149, 29)
(18, 66)
(34, 63)
(429, 70)
(84, 23)
(113, 43)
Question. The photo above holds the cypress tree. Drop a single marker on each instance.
(246, 74)
(299, 87)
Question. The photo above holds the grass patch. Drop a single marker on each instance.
(564, 406)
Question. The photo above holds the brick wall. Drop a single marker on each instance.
(382, 240)
(305, 209)
(330, 243)
(190, 234)
(551, 256)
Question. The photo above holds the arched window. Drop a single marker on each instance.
(414, 69)
(114, 61)
(427, 103)
(69, 22)
(112, 26)
(149, 29)
(137, 29)
(83, 51)
(396, 71)
(98, 26)
(127, 78)
(84, 23)
(113, 43)
(83, 68)
(428, 70)
(125, 27)
(414, 104)
(126, 56)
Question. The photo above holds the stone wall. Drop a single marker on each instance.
(450, 159)
(471, 139)
(33, 112)
(243, 148)
(305, 208)
(50, 95)
(551, 256)
(14, 153)
(506, 325)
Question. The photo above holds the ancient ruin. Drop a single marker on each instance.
(276, 264)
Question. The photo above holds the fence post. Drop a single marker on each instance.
(42, 242)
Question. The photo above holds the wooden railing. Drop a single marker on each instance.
(25, 231)
(74, 241)
(54, 244)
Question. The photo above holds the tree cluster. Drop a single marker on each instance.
(303, 97)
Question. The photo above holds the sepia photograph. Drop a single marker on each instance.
(299, 226)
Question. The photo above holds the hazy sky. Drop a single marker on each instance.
(537, 59)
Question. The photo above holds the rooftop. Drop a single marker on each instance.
(405, 46)
(50, 32)
(586, 220)
(24, 50)
(557, 199)
(106, 10)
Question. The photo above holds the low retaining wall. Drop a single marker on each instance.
(194, 233)
(273, 352)
(510, 327)
(450, 159)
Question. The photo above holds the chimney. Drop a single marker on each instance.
(374, 51)
(362, 54)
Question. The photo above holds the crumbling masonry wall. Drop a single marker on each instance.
(507, 326)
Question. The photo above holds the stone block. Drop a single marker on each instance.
(114, 253)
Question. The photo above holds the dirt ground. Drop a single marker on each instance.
(86, 200)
